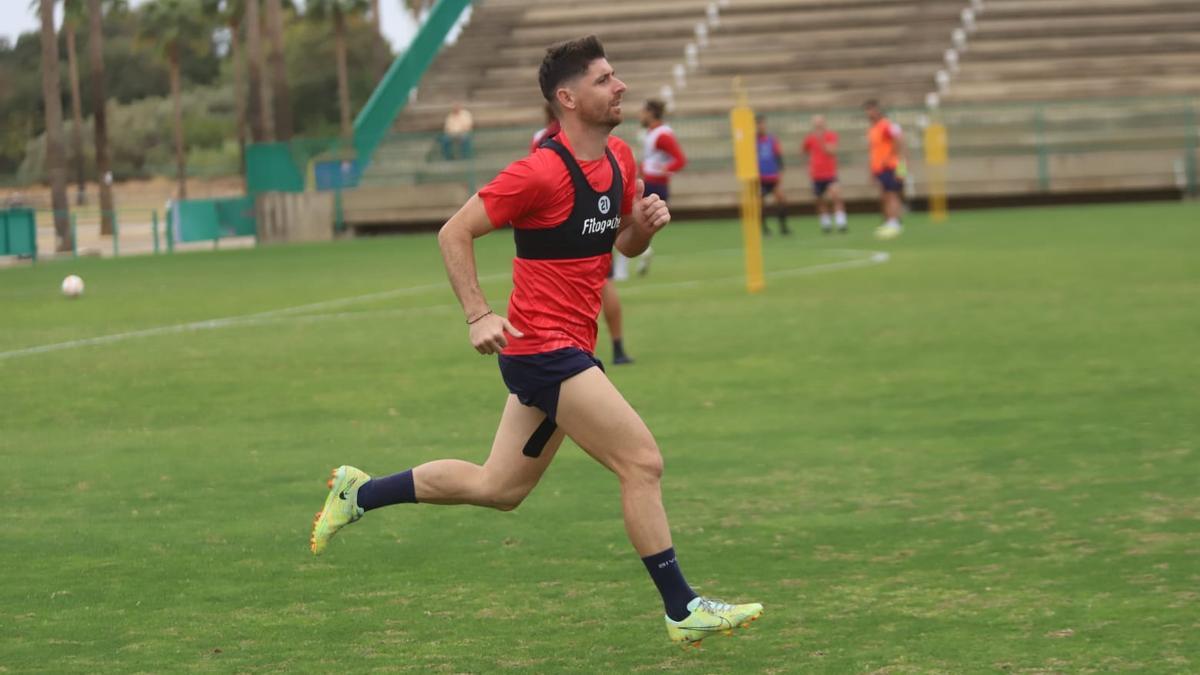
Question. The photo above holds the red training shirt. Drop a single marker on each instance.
(554, 302)
(822, 165)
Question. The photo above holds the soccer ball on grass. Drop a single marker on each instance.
(72, 286)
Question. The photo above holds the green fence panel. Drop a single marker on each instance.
(193, 220)
(210, 219)
(18, 232)
(235, 216)
(270, 167)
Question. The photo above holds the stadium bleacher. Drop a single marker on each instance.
(1040, 49)
(1046, 95)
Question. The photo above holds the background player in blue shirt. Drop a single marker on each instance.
(770, 169)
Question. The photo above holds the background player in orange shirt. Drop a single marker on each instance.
(821, 147)
(887, 153)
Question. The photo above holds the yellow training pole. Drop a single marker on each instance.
(745, 158)
(936, 157)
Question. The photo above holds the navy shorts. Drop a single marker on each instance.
(663, 190)
(536, 378)
(889, 181)
(821, 186)
(768, 186)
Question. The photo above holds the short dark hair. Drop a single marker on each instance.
(657, 108)
(567, 61)
(871, 103)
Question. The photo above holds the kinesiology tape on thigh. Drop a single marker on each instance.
(541, 436)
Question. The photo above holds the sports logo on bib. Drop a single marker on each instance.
(605, 204)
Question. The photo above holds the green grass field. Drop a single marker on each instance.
(981, 455)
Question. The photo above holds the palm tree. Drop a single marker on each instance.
(231, 14)
(99, 112)
(72, 14)
(278, 66)
(338, 10)
(262, 124)
(56, 168)
(176, 26)
(72, 17)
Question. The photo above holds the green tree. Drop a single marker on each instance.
(20, 98)
(383, 49)
(311, 64)
(262, 124)
(55, 161)
(232, 13)
(278, 67)
(337, 11)
(177, 27)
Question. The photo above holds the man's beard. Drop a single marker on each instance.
(608, 119)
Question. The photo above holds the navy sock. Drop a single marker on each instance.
(618, 348)
(676, 593)
(397, 488)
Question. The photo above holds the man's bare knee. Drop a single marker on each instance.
(642, 466)
(508, 498)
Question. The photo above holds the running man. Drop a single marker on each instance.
(568, 203)
(770, 167)
(821, 147)
(886, 146)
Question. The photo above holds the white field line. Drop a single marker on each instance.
(290, 313)
(224, 322)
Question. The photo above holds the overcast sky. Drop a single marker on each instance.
(16, 17)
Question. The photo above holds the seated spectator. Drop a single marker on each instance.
(456, 133)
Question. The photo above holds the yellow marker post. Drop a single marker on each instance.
(745, 159)
(936, 158)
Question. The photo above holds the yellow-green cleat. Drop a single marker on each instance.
(711, 617)
(341, 506)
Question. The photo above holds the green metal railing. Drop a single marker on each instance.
(32, 232)
(1113, 131)
(1039, 131)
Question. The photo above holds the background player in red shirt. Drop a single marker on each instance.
(662, 156)
(548, 131)
(568, 204)
(821, 147)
